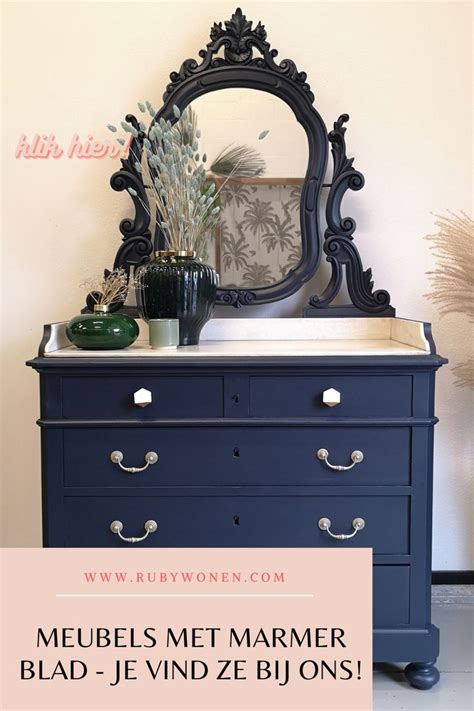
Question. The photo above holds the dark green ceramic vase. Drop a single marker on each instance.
(177, 285)
(102, 330)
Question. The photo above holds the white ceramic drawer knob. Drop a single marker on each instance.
(142, 397)
(331, 397)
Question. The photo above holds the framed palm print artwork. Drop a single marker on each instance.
(258, 240)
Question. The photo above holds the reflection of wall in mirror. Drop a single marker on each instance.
(240, 115)
(259, 239)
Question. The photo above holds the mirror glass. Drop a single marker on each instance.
(257, 154)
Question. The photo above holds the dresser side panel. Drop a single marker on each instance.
(52, 444)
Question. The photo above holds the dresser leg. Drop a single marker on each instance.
(422, 675)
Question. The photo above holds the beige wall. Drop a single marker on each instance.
(401, 69)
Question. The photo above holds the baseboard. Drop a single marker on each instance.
(453, 577)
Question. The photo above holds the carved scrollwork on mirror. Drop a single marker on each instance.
(278, 215)
(339, 246)
(136, 236)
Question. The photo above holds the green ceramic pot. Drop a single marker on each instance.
(102, 330)
(177, 285)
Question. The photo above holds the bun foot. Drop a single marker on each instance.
(422, 675)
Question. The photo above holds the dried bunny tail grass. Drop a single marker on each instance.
(174, 172)
(453, 279)
(181, 200)
(186, 129)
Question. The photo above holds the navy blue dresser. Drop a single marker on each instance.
(237, 449)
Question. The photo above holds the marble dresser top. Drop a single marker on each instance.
(282, 337)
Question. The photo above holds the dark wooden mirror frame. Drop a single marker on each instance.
(239, 68)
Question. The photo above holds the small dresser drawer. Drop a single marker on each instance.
(237, 456)
(169, 397)
(303, 396)
(247, 521)
(391, 583)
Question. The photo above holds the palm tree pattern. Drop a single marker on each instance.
(235, 192)
(259, 235)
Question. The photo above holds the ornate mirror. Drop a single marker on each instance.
(268, 242)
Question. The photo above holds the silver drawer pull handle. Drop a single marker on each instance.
(117, 527)
(117, 457)
(357, 456)
(357, 524)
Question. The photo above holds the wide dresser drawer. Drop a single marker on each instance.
(236, 456)
(240, 521)
(303, 396)
(113, 397)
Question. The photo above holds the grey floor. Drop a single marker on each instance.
(453, 613)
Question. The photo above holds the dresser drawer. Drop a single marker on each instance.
(237, 456)
(246, 521)
(360, 396)
(171, 397)
(391, 595)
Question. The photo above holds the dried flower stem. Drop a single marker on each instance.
(111, 288)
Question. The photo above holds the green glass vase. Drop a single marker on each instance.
(102, 330)
(177, 285)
